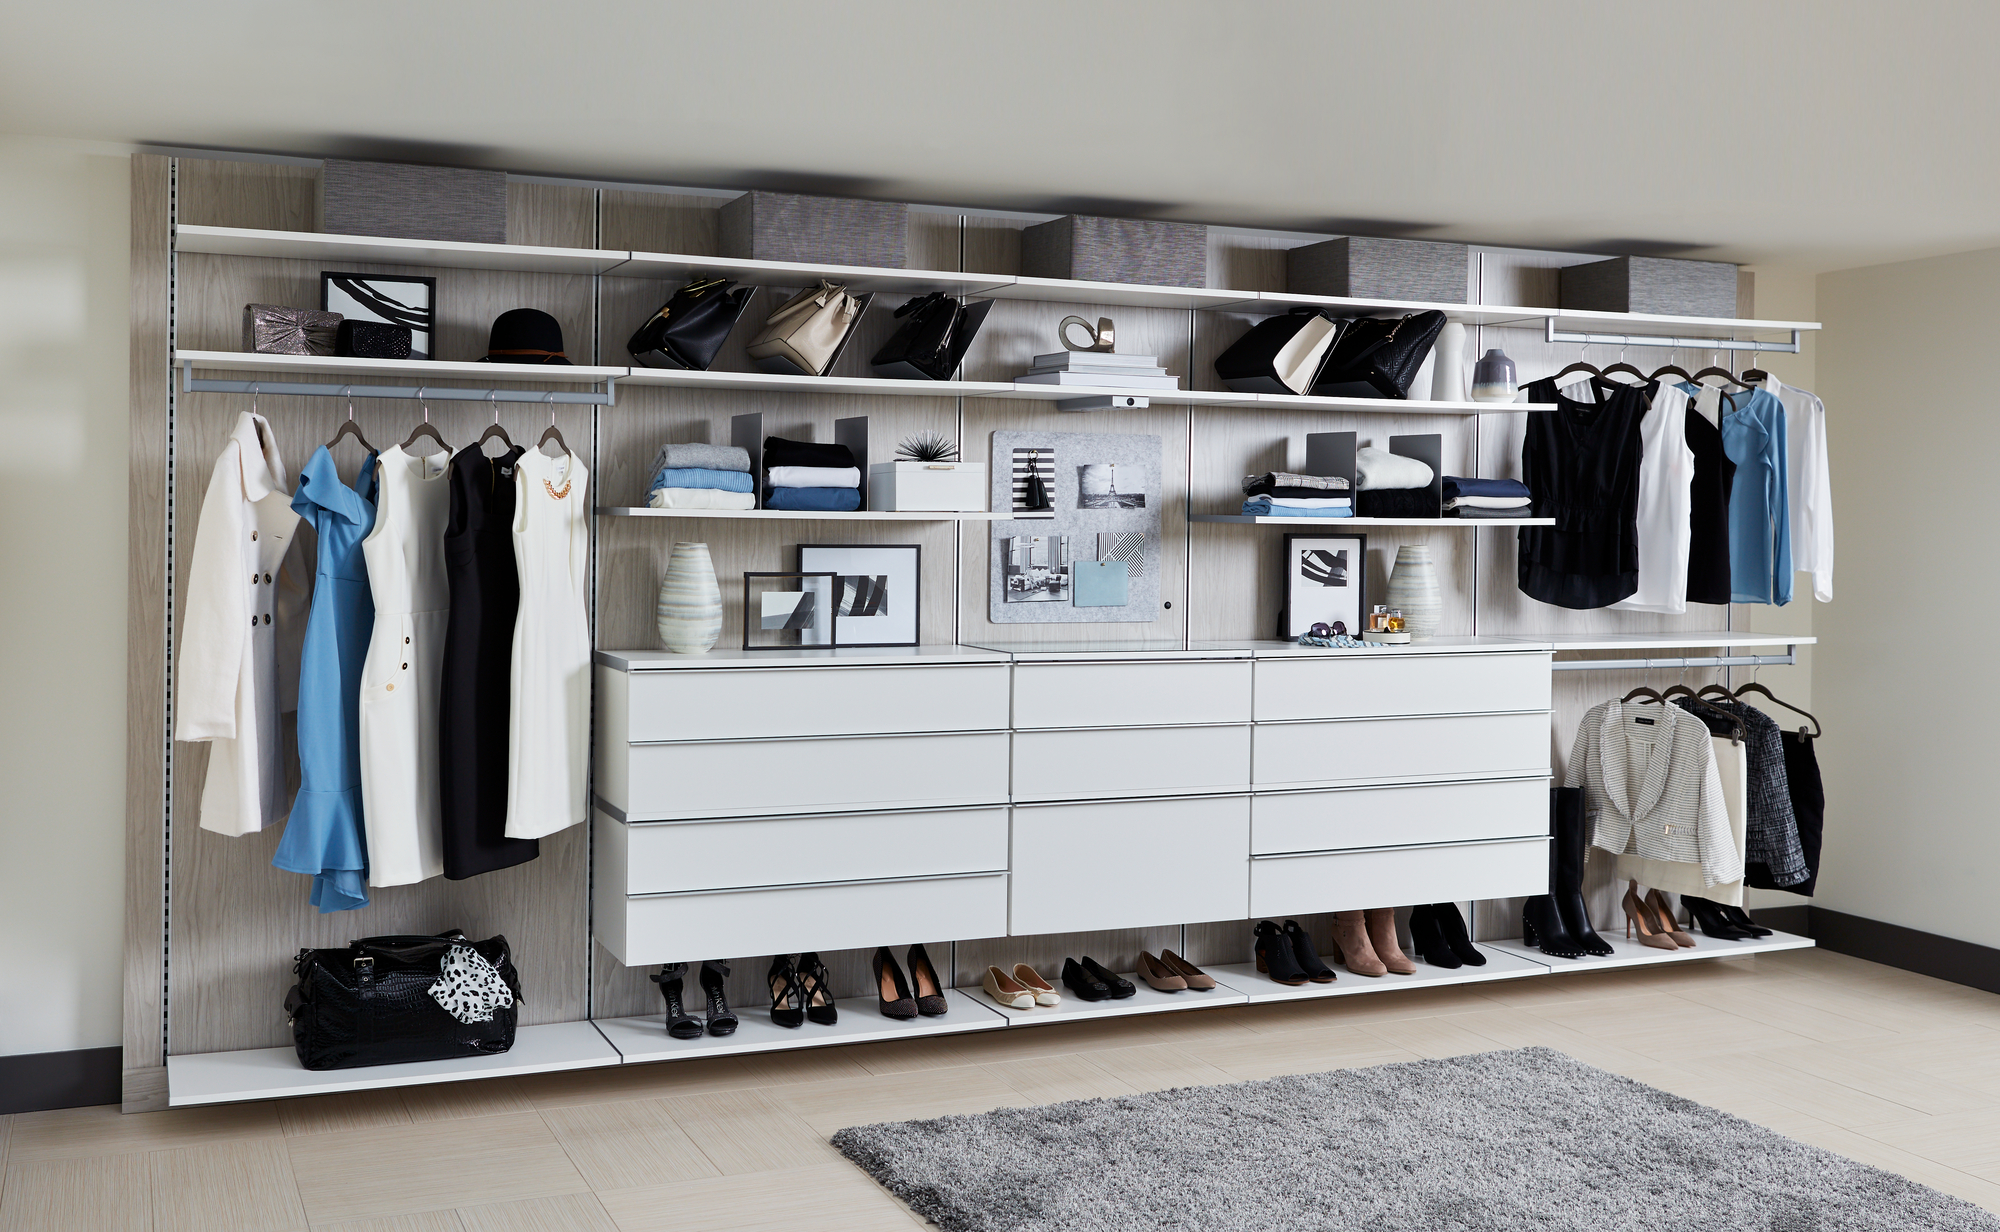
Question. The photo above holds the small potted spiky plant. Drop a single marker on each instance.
(927, 475)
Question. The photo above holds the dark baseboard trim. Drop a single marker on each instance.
(1892, 945)
(35, 1081)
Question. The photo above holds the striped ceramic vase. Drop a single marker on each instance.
(1413, 587)
(690, 608)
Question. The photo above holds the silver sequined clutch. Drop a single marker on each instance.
(277, 330)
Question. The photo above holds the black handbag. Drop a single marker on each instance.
(932, 339)
(371, 340)
(1282, 354)
(689, 330)
(1378, 357)
(371, 1003)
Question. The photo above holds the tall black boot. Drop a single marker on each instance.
(1566, 881)
(1541, 922)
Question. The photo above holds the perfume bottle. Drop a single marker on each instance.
(1395, 624)
(1378, 618)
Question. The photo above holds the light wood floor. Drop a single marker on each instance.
(1889, 1068)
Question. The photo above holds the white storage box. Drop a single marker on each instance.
(929, 487)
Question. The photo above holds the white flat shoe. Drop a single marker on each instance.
(1001, 987)
(1030, 979)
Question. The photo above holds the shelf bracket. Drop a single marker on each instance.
(1676, 343)
(1682, 662)
(607, 396)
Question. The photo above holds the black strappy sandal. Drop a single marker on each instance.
(721, 1021)
(788, 995)
(680, 1024)
(818, 988)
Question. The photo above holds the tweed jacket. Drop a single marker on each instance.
(1650, 787)
(1772, 829)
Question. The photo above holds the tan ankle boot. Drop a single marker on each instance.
(1382, 935)
(1350, 944)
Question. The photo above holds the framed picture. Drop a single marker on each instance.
(1035, 568)
(783, 611)
(876, 590)
(394, 299)
(1325, 576)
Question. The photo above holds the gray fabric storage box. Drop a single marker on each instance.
(770, 226)
(1167, 254)
(401, 201)
(1363, 267)
(1661, 285)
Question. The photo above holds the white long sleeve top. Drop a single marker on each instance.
(1810, 485)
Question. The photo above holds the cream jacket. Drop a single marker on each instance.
(1651, 788)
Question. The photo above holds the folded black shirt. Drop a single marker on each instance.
(1396, 503)
(780, 452)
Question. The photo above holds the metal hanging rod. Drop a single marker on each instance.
(1786, 659)
(431, 393)
(1661, 340)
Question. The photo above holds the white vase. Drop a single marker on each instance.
(1413, 587)
(690, 607)
(1448, 365)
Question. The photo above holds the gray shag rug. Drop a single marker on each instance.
(1523, 1139)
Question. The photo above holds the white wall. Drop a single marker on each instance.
(64, 296)
(1905, 680)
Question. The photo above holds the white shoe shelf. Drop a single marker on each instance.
(1145, 999)
(644, 1038)
(1633, 954)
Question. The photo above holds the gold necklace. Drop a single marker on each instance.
(552, 489)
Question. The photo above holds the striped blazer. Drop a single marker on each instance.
(1651, 788)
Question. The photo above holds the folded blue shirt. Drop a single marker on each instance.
(1264, 507)
(702, 477)
(1456, 486)
(816, 500)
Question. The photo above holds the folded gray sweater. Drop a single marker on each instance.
(686, 454)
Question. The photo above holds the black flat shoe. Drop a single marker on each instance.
(721, 1020)
(1086, 986)
(1305, 956)
(929, 989)
(1427, 938)
(818, 990)
(1274, 956)
(1452, 925)
(1711, 919)
(788, 996)
(892, 991)
(1740, 920)
(1120, 988)
(680, 1023)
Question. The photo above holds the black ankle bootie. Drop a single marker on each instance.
(1305, 955)
(1274, 955)
(1428, 938)
(1452, 925)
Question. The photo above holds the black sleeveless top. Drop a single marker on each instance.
(478, 665)
(1708, 519)
(1581, 462)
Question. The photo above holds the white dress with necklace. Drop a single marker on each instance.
(549, 730)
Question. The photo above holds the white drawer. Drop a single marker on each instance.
(1337, 688)
(769, 851)
(1380, 750)
(1136, 761)
(1127, 694)
(752, 777)
(1129, 864)
(1356, 880)
(689, 704)
(857, 915)
(1398, 816)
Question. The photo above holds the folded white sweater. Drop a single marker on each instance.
(815, 476)
(699, 498)
(1378, 468)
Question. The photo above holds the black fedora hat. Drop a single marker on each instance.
(524, 336)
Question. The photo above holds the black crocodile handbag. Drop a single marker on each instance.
(1378, 357)
(372, 1003)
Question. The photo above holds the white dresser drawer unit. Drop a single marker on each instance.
(749, 778)
(1129, 864)
(1398, 816)
(661, 857)
(1135, 761)
(1389, 750)
(1396, 876)
(739, 703)
(1131, 694)
(662, 928)
(1361, 686)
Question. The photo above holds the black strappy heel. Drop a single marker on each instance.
(721, 1021)
(818, 990)
(788, 995)
(680, 1023)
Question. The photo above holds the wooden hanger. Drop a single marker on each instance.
(552, 434)
(1643, 693)
(1715, 370)
(1622, 366)
(1578, 366)
(350, 428)
(494, 429)
(1753, 375)
(1754, 687)
(424, 429)
(1672, 370)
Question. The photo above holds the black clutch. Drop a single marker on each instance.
(932, 339)
(387, 1000)
(1282, 354)
(1378, 357)
(689, 330)
(372, 340)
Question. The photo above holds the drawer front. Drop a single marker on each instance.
(690, 927)
(769, 851)
(1129, 864)
(1419, 684)
(814, 701)
(1390, 749)
(1126, 694)
(1071, 765)
(754, 777)
(1356, 880)
(1399, 816)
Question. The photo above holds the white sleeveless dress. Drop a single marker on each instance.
(402, 678)
(549, 731)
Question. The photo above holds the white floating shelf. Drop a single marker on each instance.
(1500, 965)
(770, 381)
(361, 249)
(275, 1073)
(1401, 406)
(795, 515)
(1117, 294)
(1664, 641)
(1333, 522)
(413, 370)
(674, 267)
(1146, 1000)
(1268, 303)
(645, 1038)
(1633, 954)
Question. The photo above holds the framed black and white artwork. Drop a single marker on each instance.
(783, 611)
(1325, 577)
(876, 590)
(393, 299)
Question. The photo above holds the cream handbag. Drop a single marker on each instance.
(803, 337)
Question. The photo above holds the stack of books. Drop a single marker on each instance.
(1100, 370)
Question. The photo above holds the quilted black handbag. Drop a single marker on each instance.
(372, 1003)
(1281, 354)
(1378, 357)
(932, 339)
(690, 329)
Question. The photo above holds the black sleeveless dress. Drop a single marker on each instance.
(478, 653)
(1708, 520)
(1581, 462)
